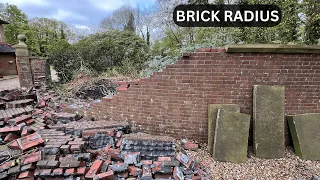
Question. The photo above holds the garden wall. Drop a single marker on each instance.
(175, 101)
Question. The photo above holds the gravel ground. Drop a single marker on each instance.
(289, 167)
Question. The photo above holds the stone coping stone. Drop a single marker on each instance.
(212, 117)
(268, 121)
(304, 129)
(272, 48)
(231, 136)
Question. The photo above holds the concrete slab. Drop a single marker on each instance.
(231, 136)
(212, 116)
(305, 135)
(268, 121)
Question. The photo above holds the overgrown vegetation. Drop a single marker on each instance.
(120, 50)
(139, 41)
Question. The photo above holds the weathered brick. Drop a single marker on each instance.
(94, 169)
(109, 175)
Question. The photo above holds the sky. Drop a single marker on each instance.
(79, 13)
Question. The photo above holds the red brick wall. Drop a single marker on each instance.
(7, 68)
(174, 102)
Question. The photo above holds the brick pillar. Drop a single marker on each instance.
(23, 63)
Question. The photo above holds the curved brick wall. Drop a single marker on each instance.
(174, 102)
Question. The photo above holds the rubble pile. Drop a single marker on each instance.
(97, 89)
(40, 141)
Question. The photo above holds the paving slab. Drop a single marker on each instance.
(212, 116)
(268, 121)
(304, 129)
(231, 136)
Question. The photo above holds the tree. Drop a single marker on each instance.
(18, 22)
(120, 19)
(47, 31)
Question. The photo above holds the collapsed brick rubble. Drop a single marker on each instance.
(39, 141)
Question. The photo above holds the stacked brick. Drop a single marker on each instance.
(149, 147)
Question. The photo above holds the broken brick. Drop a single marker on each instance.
(109, 175)
(94, 169)
(184, 159)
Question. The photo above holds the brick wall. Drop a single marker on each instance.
(39, 68)
(174, 102)
(8, 64)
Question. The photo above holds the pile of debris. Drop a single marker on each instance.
(40, 141)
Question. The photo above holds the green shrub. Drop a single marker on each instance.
(100, 52)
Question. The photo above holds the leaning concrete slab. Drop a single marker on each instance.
(231, 137)
(212, 116)
(305, 135)
(268, 121)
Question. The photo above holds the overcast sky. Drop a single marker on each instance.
(80, 13)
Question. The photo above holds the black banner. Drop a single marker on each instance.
(227, 15)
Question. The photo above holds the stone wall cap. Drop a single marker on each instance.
(272, 48)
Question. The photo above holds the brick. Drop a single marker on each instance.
(94, 169)
(106, 176)
(42, 163)
(7, 165)
(70, 172)
(65, 149)
(81, 171)
(134, 171)
(26, 174)
(28, 167)
(58, 172)
(163, 176)
(45, 172)
(10, 129)
(107, 148)
(53, 164)
(190, 146)
(30, 141)
(11, 137)
(164, 158)
(31, 158)
(184, 159)
(75, 148)
(14, 170)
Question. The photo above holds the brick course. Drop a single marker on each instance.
(174, 102)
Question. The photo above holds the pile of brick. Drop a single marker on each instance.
(39, 141)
